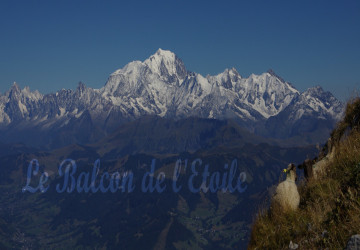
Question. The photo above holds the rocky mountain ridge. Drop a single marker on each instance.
(162, 86)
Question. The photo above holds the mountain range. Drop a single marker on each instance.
(161, 86)
(153, 110)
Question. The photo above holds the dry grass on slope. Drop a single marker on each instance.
(329, 211)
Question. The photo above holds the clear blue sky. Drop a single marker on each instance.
(49, 45)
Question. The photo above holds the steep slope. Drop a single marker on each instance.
(329, 210)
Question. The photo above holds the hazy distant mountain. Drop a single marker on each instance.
(162, 86)
(138, 220)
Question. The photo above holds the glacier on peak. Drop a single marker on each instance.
(165, 73)
(128, 67)
(165, 63)
(162, 86)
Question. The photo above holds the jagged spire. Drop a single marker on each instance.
(81, 87)
(14, 90)
(15, 86)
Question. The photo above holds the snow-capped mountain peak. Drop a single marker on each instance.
(166, 64)
(14, 90)
(315, 102)
(162, 81)
(267, 93)
(131, 66)
(161, 85)
(323, 101)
